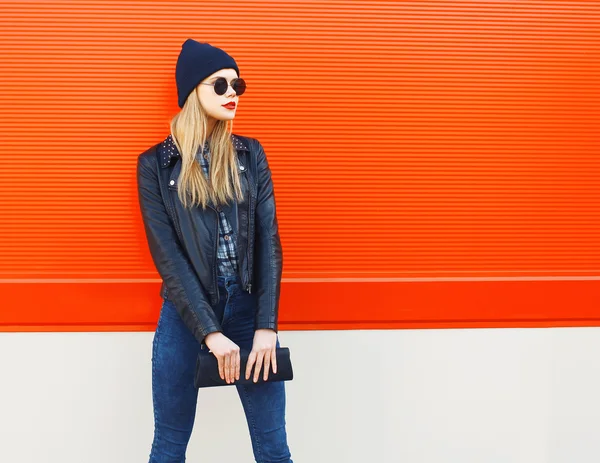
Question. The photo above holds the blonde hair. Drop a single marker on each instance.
(188, 128)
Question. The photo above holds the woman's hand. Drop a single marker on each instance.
(227, 353)
(263, 351)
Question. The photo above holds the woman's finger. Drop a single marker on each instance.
(237, 365)
(221, 367)
(259, 363)
(251, 360)
(267, 366)
(274, 360)
(227, 367)
(232, 367)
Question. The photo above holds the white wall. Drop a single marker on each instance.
(410, 396)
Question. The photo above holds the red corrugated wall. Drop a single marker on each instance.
(436, 164)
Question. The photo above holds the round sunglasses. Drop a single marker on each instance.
(220, 85)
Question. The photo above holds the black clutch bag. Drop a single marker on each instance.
(207, 369)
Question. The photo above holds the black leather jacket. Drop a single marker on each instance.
(183, 242)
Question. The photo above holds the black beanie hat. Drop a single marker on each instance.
(196, 62)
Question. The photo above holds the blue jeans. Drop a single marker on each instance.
(174, 396)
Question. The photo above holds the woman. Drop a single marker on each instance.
(208, 206)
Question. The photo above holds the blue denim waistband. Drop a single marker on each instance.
(227, 280)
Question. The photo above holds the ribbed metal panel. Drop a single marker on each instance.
(425, 140)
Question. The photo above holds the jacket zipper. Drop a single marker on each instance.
(248, 249)
(249, 285)
(216, 248)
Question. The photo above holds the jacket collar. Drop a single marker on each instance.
(167, 150)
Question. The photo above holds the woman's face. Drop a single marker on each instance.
(213, 103)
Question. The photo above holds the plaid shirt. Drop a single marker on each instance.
(227, 260)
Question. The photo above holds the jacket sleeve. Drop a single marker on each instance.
(269, 256)
(184, 287)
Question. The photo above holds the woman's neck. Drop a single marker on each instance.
(210, 126)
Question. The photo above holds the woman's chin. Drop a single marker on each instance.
(225, 115)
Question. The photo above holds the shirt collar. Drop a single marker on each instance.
(167, 150)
